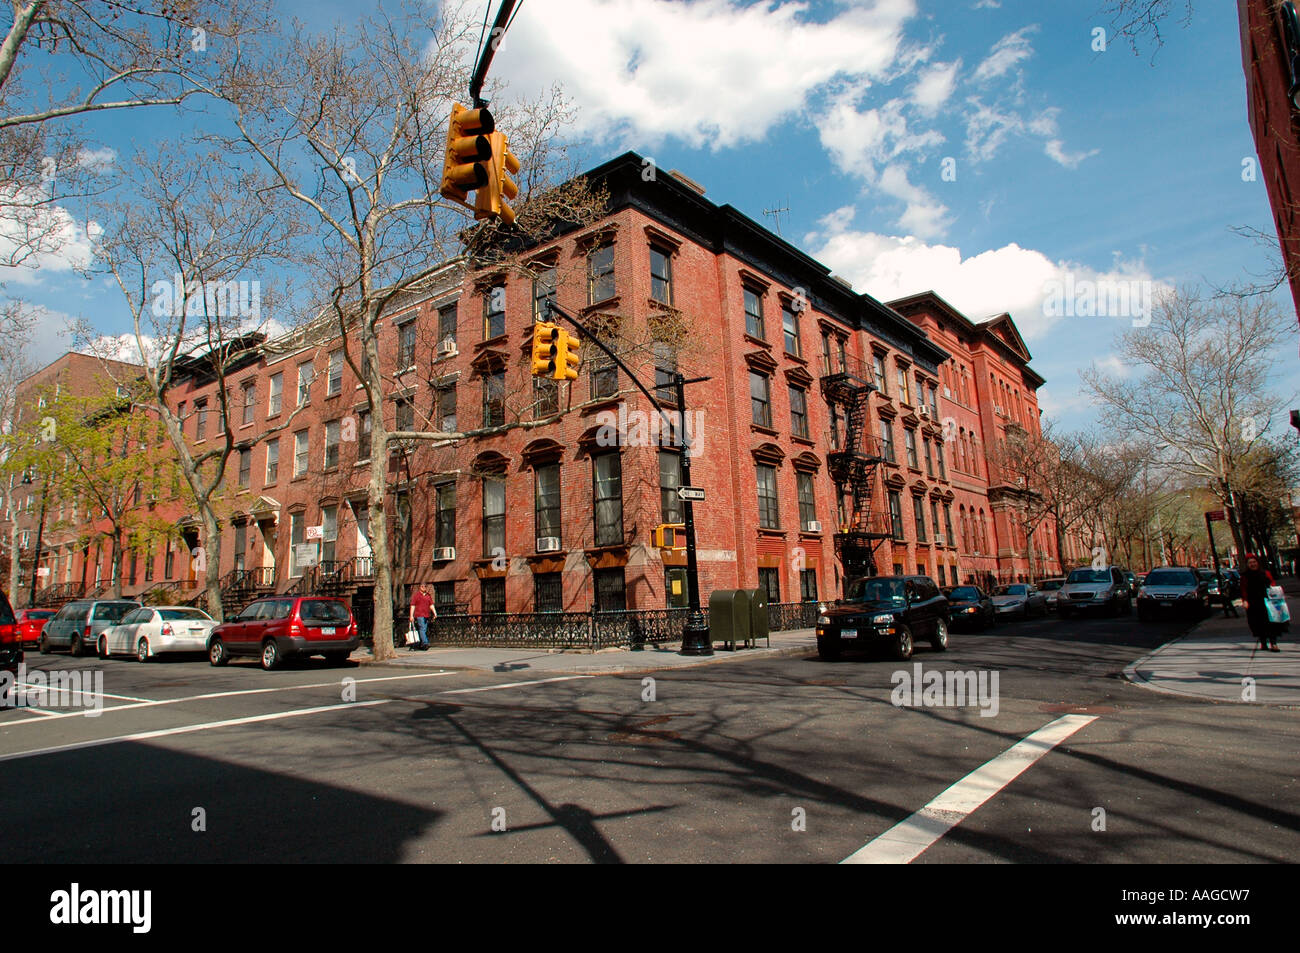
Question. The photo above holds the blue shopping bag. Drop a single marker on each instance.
(1275, 602)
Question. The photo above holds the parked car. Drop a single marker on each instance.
(153, 630)
(77, 626)
(1051, 588)
(1211, 580)
(11, 643)
(281, 627)
(1233, 578)
(1225, 585)
(1019, 599)
(892, 611)
(30, 624)
(969, 607)
(1095, 590)
(1173, 591)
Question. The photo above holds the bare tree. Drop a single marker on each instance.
(352, 125)
(1140, 20)
(1199, 385)
(190, 250)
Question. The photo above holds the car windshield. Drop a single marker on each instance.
(323, 610)
(1168, 577)
(1089, 575)
(888, 591)
(113, 611)
(1051, 585)
(194, 614)
(1013, 590)
(963, 592)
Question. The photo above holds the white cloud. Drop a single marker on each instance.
(643, 70)
(1006, 54)
(42, 238)
(925, 216)
(1011, 278)
(935, 86)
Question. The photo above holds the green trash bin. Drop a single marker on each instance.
(729, 616)
(758, 617)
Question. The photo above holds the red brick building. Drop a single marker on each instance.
(1270, 54)
(819, 437)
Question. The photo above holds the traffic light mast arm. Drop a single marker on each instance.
(552, 308)
(499, 27)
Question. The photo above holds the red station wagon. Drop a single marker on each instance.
(282, 627)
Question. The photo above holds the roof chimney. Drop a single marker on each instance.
(687, 181)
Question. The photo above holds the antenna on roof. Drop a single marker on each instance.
(776, 214)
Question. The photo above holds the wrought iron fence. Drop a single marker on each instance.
(782, 616)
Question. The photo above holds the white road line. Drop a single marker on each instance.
(909, 838)
(48, 688)
(210, 695)
(492, 688)
(187, 729)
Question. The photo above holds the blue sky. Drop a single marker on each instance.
(1102, 165)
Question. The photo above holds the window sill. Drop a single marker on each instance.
(797, 358)
(498, 341)
(772, 531)
(807, 441)
(759, 341)
(759, 428)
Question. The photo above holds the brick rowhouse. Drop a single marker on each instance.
(815, 391)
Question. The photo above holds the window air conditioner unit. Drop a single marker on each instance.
(447, 348)
(925, 411)
(444, 554)
(548, 544)
(813, 526)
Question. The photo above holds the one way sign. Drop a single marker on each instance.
(693, 493)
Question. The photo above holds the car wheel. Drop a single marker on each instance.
(903, 644)
(103, 647)
(142, 650)
(270, 655)
(75, 648)
(44, 644)
(217, 653)
(939, 641)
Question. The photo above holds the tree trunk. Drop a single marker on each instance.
(382, 630)
(212, 562)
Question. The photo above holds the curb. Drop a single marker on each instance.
(1132, 676)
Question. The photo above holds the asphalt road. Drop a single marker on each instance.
(788, 759)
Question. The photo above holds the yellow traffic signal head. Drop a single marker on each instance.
(469, 150)
(491, 200)
(669, 536)
(568, 360)
(546, 348)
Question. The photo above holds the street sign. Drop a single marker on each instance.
(315, 532)
(305, 554)
(693, 493)
(42, 571)
(1215, 515)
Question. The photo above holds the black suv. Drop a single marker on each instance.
(891, 611)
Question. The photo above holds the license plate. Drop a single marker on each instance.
(327, 630)
(1166, 604)
(848, 633)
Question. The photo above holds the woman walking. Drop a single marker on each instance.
(1255, 583)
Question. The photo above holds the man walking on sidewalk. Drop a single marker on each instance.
(1225, 590)
(421, 613)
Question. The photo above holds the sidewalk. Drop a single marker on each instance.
(1214, 660)
(652, 658)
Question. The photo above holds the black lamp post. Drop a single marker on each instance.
(40, 532)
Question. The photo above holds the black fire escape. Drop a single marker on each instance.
(847, 385)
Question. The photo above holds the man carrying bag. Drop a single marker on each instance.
(421, 612)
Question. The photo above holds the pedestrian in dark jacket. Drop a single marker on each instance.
(1255, 582)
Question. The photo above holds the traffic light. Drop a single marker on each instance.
(546, 348)
(469, 151)
(669, 536)
(490, 202)
(567, 361)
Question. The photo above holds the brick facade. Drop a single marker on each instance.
(764, 322)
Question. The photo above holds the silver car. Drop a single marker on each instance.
(1095, 590)
(1051, 588)
(153, 630)
(1019, 600)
